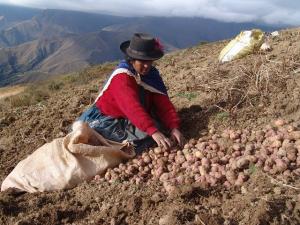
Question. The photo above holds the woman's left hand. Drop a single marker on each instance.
(177, 135)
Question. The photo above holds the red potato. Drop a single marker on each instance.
(276, 144)
(238, 182)
(295, 135)
(179, 159)
(205, 162)
(186, 146)
(190, 158)
(233, 135)
(171, 157)
(236, 154)
(147, 159)
(292, 156)
(179, 152)
(201, 146)
(280, 166)
(267, 168)
(227, 184)
(231, 176)
(203, 170)
(279, 122)
(199, 154)
(287, 173)
(218, 175)
(296, 172)
(214, 168)
(180, 179)
(157, 150)
(164, 177)
(237, 147)
(250, 159)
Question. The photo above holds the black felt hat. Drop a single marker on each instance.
(142, 46)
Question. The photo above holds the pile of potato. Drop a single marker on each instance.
(227, 158)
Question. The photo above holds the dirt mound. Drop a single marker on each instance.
(246, 93)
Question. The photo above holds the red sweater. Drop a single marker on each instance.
(122, 100)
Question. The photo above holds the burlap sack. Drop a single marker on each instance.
(68, 161)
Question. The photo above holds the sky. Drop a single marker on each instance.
(269, 11)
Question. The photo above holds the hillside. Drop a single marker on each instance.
(226, 107)
(80, 39)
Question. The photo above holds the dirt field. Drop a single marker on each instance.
(245, 94)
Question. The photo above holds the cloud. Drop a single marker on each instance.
(269, 11)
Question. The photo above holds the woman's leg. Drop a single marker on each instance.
(109, 127)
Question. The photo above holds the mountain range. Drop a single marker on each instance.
(36, 44)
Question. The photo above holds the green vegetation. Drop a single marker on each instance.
(222, 115)
(187, 95)
(252, 168)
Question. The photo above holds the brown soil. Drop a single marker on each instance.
(247, 93)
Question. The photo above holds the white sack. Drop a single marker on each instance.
(245, 43)
(68, 161)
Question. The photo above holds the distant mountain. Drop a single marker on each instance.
(10, 15)
(58, 41)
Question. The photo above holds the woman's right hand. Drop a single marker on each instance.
(161, 140)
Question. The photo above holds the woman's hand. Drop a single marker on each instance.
(177, 136)
(161, 140)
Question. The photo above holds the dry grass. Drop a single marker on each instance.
(250, 82)
(38, 92)
(10, 91)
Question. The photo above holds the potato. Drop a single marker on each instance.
(199, 154)
(147, 159)
(218, 175)
(295, 135)
(205, 162)
(236, 154)
(171, 157)
(279, 122)
(214, 168)
(227, 184)
(233, 135)
(259, 163)
(287, 173)
(242, 163)
(190, 158)
(179, 159)
(224, 160)
(201, 146)
(238, 182)
(297, 172)
(164, 177)
(236, 147)
(231, 176)
(280, 165)
(203, 170)
(186, 146)
(276, 144)
(267, 168)
(107, 176)
(212, 181)
(292, 156)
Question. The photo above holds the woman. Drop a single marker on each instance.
(133, 104)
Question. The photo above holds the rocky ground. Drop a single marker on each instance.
(240, 164)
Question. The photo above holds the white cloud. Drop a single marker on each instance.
(269, 11)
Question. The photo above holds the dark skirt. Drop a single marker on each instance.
(116, 129)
